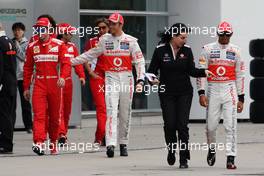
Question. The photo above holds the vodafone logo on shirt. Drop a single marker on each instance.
(221, 71)
(117, 61)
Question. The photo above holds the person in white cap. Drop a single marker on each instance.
(119, 51)
(225, 91)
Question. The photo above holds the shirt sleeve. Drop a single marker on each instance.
(65, 65)
(155, 63)
(203, 63)
(240, 76)
(28, 69)
(138, 60)
(21, 51)
(78, 68)
(89, 55)
(192, 70)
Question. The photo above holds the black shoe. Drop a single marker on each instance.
(184, 165)
(230, 163)
(110, 151)
(62, 141)
(211, 157)
(5, 151)
(29, 131)
(123, 150)
(171, 158)
(38, 149)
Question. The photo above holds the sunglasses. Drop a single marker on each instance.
(228, 34)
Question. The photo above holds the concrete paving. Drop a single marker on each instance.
(147, 154)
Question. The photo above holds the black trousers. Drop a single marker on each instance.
(176, 111)
(7, 121)
(25, 106)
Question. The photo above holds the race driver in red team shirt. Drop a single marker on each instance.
(225, 91)
(66, 32)
(97, 82)
(47, 56)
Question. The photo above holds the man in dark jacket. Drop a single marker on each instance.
(8, 90)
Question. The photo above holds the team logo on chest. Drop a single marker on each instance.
(54, 49)
(70, 49)
(182, 56)
(166, 57)
(109, 45)
(221, 71)
(36, 49)
(124, 45)
(230, 55)
(117, 61)
(215, 54)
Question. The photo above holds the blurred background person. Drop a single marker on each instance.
(65, 35)
(97, 82)
(21, 44)
(8, 92)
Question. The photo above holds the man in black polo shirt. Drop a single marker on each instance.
(8, 89)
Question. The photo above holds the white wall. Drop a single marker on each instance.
(246, 16)
(198, 13)
(62, 11)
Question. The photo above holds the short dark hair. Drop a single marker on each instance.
(18, 25)
(176, 29)
(101, 20)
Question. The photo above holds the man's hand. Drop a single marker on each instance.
(61, 82)
(209, 74)
(240, 107)
(155, 81)
(26, 95)
(203, 101)
(139, 87)
(82, 81)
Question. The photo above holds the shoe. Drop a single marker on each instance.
(5, 151)
(62, 140)
(53, 148)
(211, 157)
(29, 131)
(123, 150)
(110, 151)
(171, 158)
(230, 163)
(38, 149)
(184, 165)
